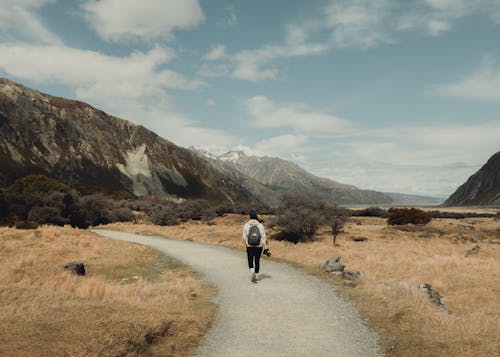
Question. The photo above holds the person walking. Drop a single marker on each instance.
(254, 237)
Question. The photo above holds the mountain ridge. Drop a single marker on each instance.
(480, 189)
(87, 148)
(279, 175)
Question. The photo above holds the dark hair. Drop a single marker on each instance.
(253, 215)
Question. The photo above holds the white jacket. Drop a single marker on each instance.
(246, 228)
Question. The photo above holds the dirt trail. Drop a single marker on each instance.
(288, 313)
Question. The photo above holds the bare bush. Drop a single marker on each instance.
(167, 216)
(337, 224)
(401, 216)
(301, 215)
(371, 212)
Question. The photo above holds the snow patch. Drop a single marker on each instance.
(232, 156)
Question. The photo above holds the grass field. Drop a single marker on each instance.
(133, 301)
(394, 262)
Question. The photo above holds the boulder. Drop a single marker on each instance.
(359, 239)
(472, 251)
(352, 274)
(333, 265)
(75, 268)
(435, 297)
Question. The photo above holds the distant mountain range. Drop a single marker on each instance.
(482, 188)
(268, 177)
(93, 151)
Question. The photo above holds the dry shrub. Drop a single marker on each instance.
(401, 216)
(46, 311)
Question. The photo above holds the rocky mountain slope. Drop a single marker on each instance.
(91, 150)
(482, 188)
(278, 175)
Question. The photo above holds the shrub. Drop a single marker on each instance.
(337, 224)
(222, 209)
(301, 215)
(123, 214)
(165, 217)
(26, 224)
(195, 210)
(372, 212)
(402, 216)
(96, 209)
(36, 184)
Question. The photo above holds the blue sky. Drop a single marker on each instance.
(400, 96)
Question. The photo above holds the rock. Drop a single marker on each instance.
(75, 268)
(129, 280)
(434, 295)
(333, 265)
(425, 235)
(475, 240)
(472, 251)
(359, 239)
(352, 274)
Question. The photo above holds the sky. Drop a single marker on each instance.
(395, 96)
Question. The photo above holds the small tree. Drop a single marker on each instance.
(301, 215)
(337, 225)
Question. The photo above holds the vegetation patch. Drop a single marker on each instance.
(133, 300)
(393, 263)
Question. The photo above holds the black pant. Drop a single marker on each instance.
(254, 252)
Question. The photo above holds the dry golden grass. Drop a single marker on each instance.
(45, 311)
(394, 262)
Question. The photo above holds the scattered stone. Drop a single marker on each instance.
(75, 268)
(359, 239)
(129, 280)
(434, 295)
(425, 235)
(475, 240)
(352, 274)
(333, 265)
(472, 251)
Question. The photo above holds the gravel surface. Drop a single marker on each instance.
(287, 313)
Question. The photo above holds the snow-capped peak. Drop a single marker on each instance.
(202, 152)
(232, 156)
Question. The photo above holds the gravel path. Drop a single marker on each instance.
(288, 313)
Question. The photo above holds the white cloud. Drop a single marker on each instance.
(132, 87)
(253, 65)
(211, 102)
(216, 53)
(19, 21)
(265, 113)
(256, 64)
(483, 84)
(124, 20)
(135, 75)
(367, 23)
(231, 20)
(358, 22)
(351, 23)
(283, 145)
(431, 160)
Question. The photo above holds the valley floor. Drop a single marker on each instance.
(394, 262)
(133, 300)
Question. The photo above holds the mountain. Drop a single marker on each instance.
(482, 188)
(91, 150)
(404, 199)
(278, 176)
